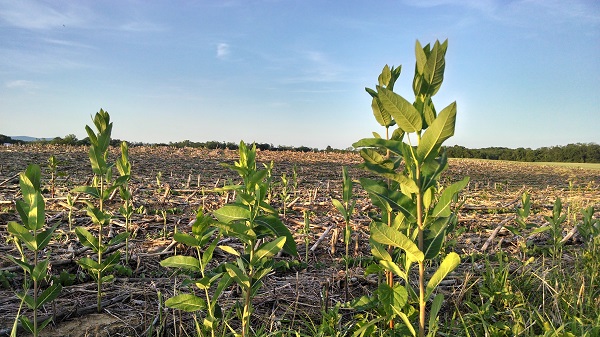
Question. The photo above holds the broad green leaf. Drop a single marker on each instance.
(436, 305)
(347, 185)
(268, 249)
(379, 251)
(433, 237)
(108, 278)
(389, 200)
(441, 129)
(275, 226)
(37, 215)
(238, 276)
(181, 261)
(89, 264)
(433, 72)
(26, 323)
(230, 250)
(421, 58)
(49, 294)
(109, 262)
(43, 324)
(92, 191)
(393, 145)
(23, 210)
(26, 266)
(393, 267)
(22, 234)
(451, 261)
(186, 302)
(393, 298)
(44, 237)
(385, 76)
(40, 271)
(404, 113)
(442, 208)
(232, 212)
(381, 116)
(87, 239)
(119, 238)
(98, 216)
(388, 236)
(339, 207)
(97, 160)
(207, 256)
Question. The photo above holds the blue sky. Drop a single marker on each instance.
(524, 73)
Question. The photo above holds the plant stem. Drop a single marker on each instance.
(421, 263)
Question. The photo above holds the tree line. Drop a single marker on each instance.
(211, 145)
(571, 153)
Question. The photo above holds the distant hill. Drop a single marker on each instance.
(28, 139)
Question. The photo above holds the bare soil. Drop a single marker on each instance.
(134, 304)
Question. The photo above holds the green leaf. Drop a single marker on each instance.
(451, 261)
(442, 208)
(275, 226)
(186, 239)
(393, 299)
(119, 238)
(186, 302)
(383, 234)
(238, 276)
(89, 264)
(26, 266)
(26, 323)
(379, 251)
(49, 294)
(87, 239)
(339, 207)
(232, 212)
(30, 180)
(381, 116)
(441, 129)
(347, 185)
(267, 250)
(404, 113)
(44, 237)
(229, 250)
(109, 262)
(393, 267)
(433, 72)
(22, 234)
(389, 200)
(97, 160)
(394, 146)
(36, 214)
(92, 191)
(436, 305)
(181, 261)
(40, 271)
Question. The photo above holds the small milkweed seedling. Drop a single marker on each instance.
(101, 189)
(415, 214)
(124, 168)
(54, 173)
(346, 209)
(31, 233)
(253, 221)
(285, 192)
(204, 240)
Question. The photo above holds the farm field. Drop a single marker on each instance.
(169, 185)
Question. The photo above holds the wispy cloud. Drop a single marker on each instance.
(142, 26)
(316, 67)
(37, 15)
(223, 50)
(20, 84)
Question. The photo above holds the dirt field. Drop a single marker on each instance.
(134, 304)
